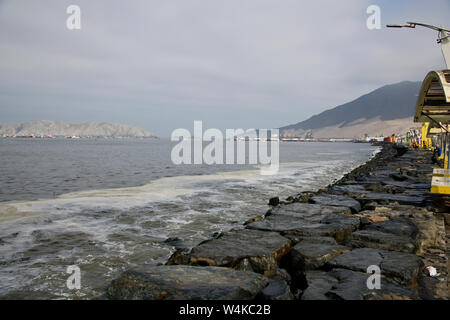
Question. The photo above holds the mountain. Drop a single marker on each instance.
(57, 128)
(384, 111)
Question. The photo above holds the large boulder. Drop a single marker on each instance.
(397, 226)
(319, 283)
(397, 234)
(350, 190)
(261, 250)
(337, 201)
(381, 240)
(310, 254)
(303, 220)
(300, 209)
(341, 284)
(416, 200)
(403, 268)
(186, 283)
(277, 290)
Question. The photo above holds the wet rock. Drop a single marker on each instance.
(303, 210)
(274, 201)
(375, 187)
(341, 284)
(176, 242)
(369, 206)
(263, 250)
(304, 196)
(277, 290)
(348, 189)
(337, 201)
(364, 221)
(400, 227)
(388, 197)
(392, 209)
(367, 217)
(179, 257)
(186, 283)
(254, 219)
(320, 240)
(302, 219)
(172, 239)
(403, 268)
(278, 274)
(398, 177)
(409, 185)
(319, 283)
(309, 255)
(381, 240)
(358, 259)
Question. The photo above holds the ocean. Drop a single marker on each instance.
(108, 205)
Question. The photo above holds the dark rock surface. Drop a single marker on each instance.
(400, 227)
(398, 177)
(278, 274)
(400, 198)
(274, 201)
(319, 240)
(381, 240)
(394, 233)
(310, 255)
(309, 210)
(263, 250)
(355, 190)
(341, 284)
(319, 283)
(303, 219)
(277, 290)
(186, 283)
(337, 201)
(401, 267)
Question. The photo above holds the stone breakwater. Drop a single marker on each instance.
(319, 245)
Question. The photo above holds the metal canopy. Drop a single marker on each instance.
(433, 104)
(435, 129)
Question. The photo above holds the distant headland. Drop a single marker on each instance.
(52, 129)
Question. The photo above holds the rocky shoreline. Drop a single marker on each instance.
(319, 245)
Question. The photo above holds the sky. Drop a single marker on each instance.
(245, 64)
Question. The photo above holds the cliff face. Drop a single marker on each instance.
(384, 111)
(57, 128)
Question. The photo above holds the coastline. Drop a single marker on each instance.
(319, 245)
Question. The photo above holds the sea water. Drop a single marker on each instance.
(108, 205)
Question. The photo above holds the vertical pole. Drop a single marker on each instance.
(447, 154)
(445, 151)
(442, 144)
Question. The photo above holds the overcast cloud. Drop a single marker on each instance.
(231, 63)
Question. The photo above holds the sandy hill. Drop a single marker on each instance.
(385, 111)
(57, 128)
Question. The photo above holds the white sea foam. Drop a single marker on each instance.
(164, 189)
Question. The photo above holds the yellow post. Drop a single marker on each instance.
(426, 142)
(445, 150)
